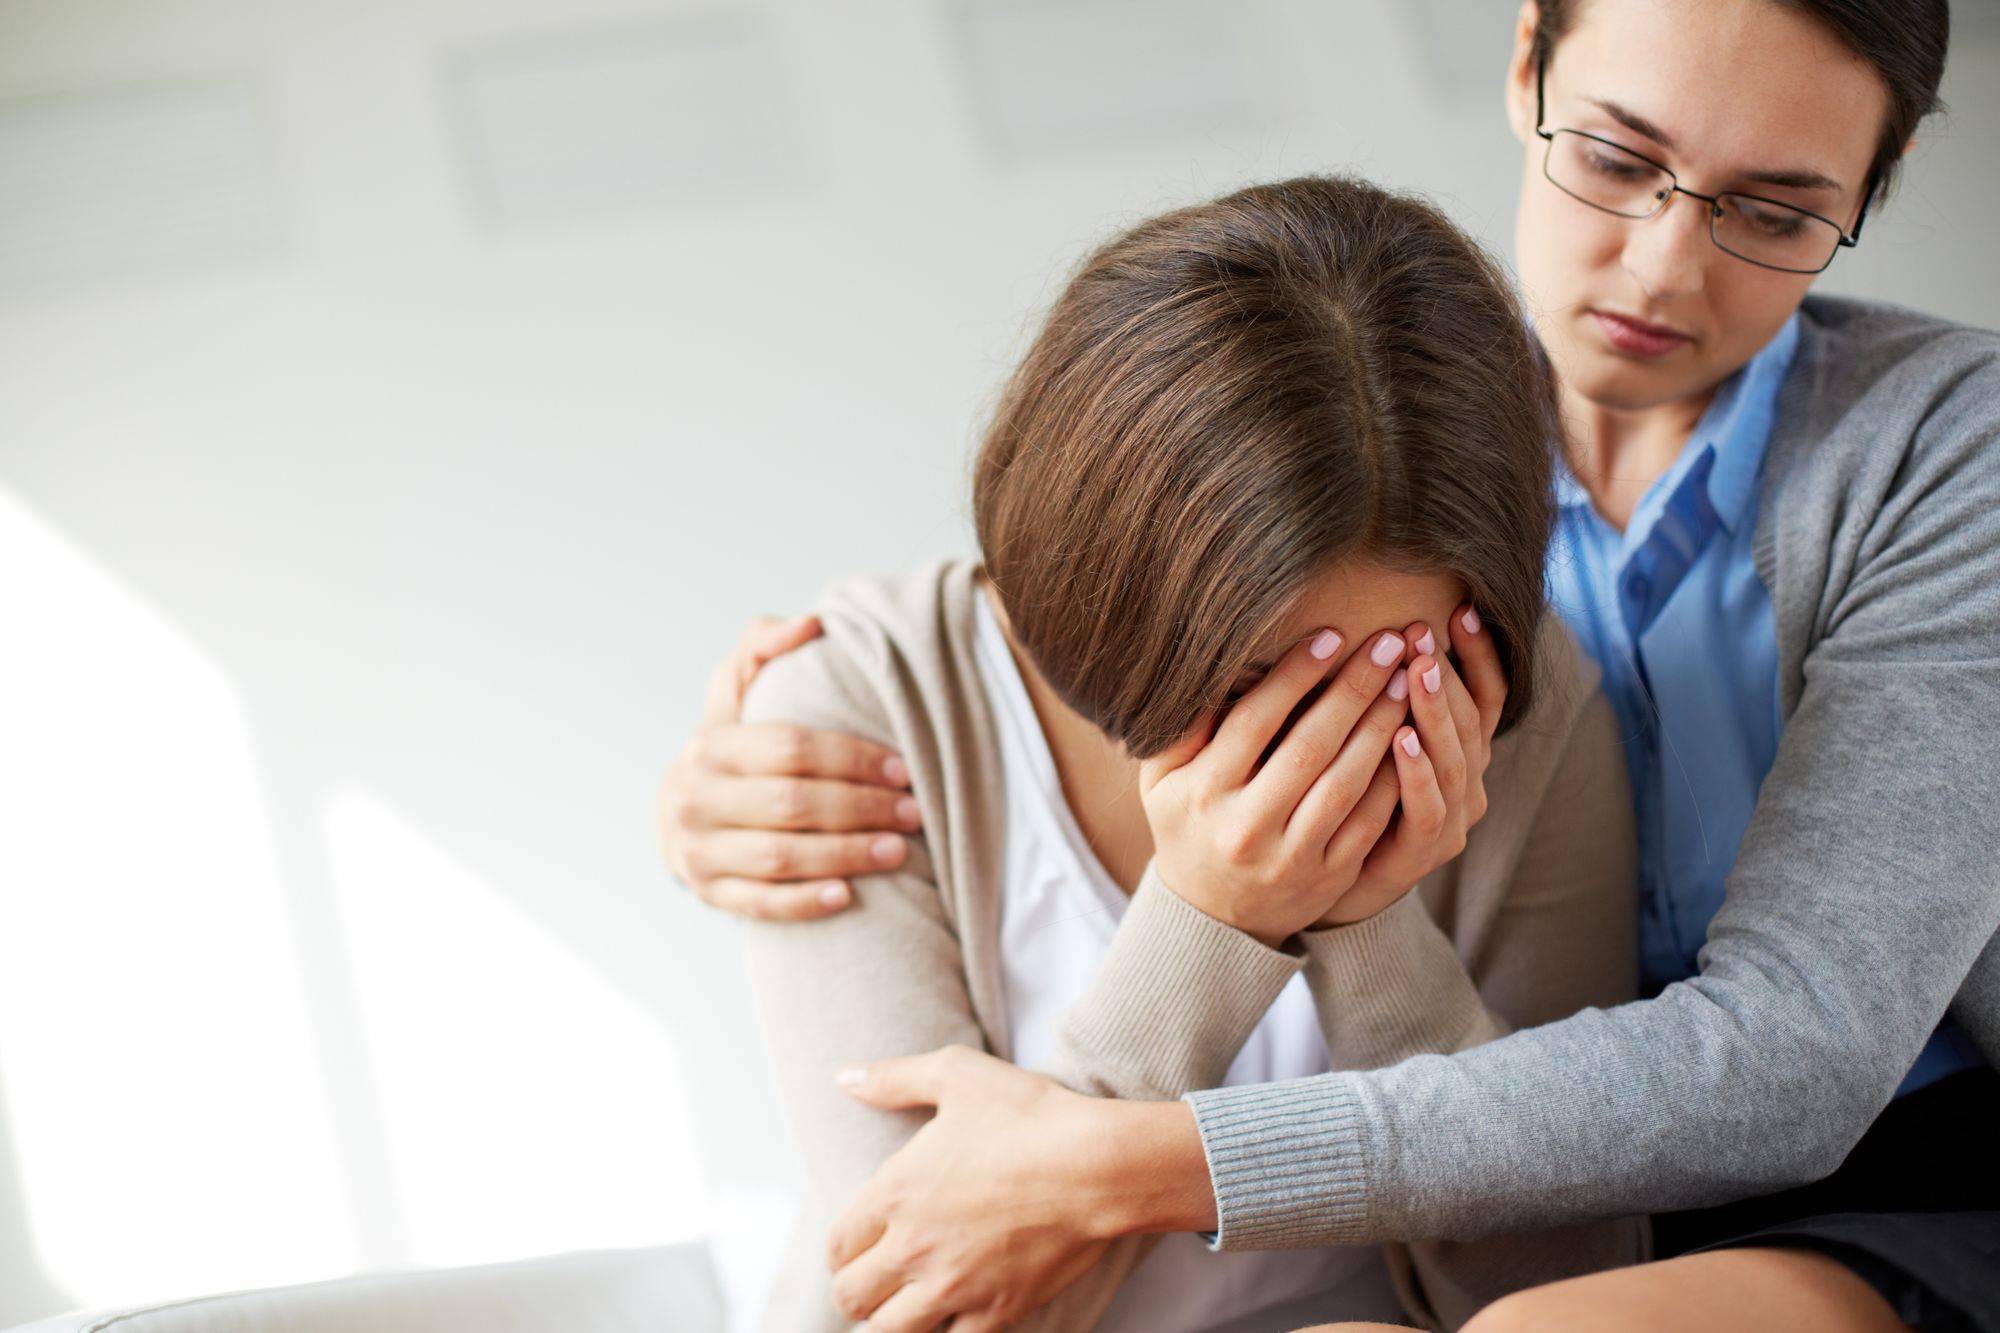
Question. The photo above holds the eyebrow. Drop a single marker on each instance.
(1638, 124)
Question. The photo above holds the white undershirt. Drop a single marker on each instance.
(1059, 911)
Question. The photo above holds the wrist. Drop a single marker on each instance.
(1149, 1172)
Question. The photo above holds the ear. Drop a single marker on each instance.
(1519, 94)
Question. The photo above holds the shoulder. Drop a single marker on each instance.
(883, 638)
(1570, 719)
(1869, 373)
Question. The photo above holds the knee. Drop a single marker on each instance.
(1547, 1309)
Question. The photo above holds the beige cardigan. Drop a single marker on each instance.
(1533, 921)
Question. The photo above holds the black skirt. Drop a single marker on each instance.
(1914, 1211)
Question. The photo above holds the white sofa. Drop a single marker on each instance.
(670, 1289)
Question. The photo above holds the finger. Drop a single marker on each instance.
(760, 901)
(855, 1231)
(811, 805)
(781, 749)
(763, 639)
(775, 857)
(900, 1082)
(1180, 753)
(1348, 848)
(1479, 663)
(1340, 786)
(1246, 732)
(1322, 731)
(1410, 849)
(1442, 730)
(767, 636)
(917, 1308)
(860, 1288)
(1467, 718)
(979, 1322)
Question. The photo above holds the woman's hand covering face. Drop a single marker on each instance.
(1294, 811)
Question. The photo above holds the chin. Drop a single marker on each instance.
(1622, 386)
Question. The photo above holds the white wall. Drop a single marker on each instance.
(389, 441)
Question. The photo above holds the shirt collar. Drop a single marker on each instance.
(1735, 428)
(1738, 425)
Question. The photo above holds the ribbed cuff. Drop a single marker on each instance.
(1392, 986)
(1288, 1162)
(1176, 997)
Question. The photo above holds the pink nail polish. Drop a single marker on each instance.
(1433, 679)
(1387, 651)
(1470, 620)
(888, 849)
(1426, 645)
(1411, 746)
(896, 771)
(1326, 645)
(852, 1077)
(833, 895)
(1399, 686)
(908, 812)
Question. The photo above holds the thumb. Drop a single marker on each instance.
(1180, 753)
(763, 640)
(901, 1082)
(767, 638)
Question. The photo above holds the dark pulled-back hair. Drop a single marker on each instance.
(1228, 400)
(1904, 40)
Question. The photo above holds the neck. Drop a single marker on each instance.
(1100, 781)
(1617, 453)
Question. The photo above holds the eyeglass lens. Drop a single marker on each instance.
(1606, 176)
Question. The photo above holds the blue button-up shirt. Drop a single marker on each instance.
(1675, 613)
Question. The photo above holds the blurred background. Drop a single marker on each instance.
(403, 404)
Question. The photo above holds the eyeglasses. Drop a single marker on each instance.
(1614, 179)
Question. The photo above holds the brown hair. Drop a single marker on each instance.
(1905, 40)
(1229, 399)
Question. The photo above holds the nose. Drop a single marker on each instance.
(1668, 254)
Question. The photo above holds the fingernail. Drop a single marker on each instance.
(896, 771)
(1411, 746)
(1470, 620)
(833, 895)
(852, 1077)
(888, 849)
(1427, 645)
(1399, 686)
(1326, 645)
(1387, 651)
(1433, 679)
(909, 812)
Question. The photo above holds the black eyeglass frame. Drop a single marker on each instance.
(1847, 239)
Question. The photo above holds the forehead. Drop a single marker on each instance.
(1740, 85)
(1359, 597)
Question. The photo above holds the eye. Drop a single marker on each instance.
(1616, 168)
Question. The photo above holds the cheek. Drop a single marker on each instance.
(1749, 305)
(1560, 244)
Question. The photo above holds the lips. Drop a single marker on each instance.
(1636, 337)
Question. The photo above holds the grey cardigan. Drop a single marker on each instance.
(1863, 904)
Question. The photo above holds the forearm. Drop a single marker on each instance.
(1175, 998)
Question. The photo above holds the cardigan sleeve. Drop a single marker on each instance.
(887, 977)
(1561, 939)
(1861, 900)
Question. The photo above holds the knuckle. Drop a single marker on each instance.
(1237, 841)
(791, 799)
(791, 749)
(774, 858)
